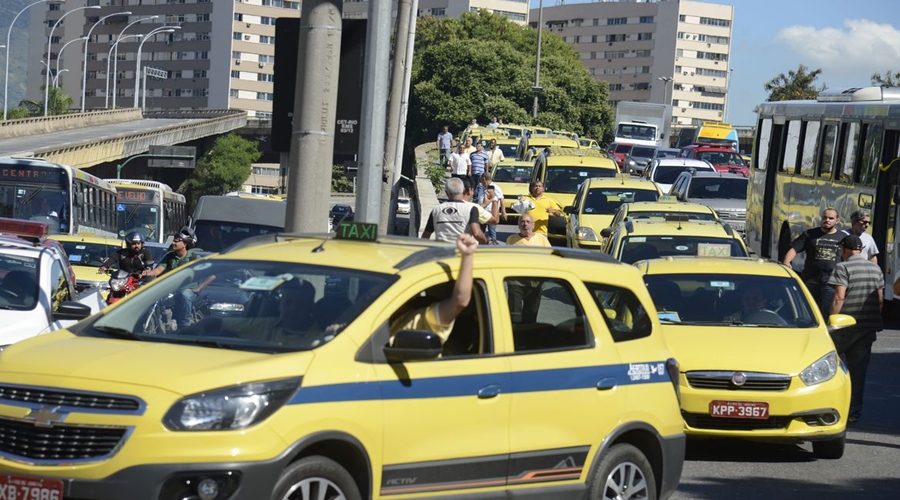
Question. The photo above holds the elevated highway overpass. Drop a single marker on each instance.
(86, 139)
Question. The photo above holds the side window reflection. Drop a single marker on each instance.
(545, 315)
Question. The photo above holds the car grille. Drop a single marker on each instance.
(754, 381)
(703, 421)
(58, 441)
(39, 395)
(731, 216)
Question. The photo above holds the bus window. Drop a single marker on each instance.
(827, 152)
(764, 136)
(851, 142)
(808, 160)
(868, 167)
(791, 145)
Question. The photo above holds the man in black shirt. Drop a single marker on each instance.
(823, 252)
(133, 259)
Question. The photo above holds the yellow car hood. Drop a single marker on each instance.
(773, 350)
(595, 221)
(183, 369)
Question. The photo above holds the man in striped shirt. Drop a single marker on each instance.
(479, 161)
(859, 292)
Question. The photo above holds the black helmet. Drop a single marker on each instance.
(134, 236)
(187, 235)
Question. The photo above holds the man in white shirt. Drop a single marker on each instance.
(493, 198)
(460, 164)
(859, 222)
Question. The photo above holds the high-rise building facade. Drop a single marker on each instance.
(654, 51)
(220, 55)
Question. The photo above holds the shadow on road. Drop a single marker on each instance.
(714, 488)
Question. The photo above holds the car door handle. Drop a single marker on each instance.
(489, 391)
(606, 384)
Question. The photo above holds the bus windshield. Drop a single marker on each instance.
(42, 203)
(136, 215)
(632, 131)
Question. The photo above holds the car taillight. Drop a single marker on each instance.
(674, 371)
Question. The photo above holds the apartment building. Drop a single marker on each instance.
(221, 55)
(654, 51)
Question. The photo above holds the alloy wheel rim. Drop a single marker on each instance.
(625, 482)
(314, 488)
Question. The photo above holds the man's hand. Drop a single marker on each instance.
(102, 270)
(466, 243)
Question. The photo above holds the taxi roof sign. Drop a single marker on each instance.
(360, 231)
(23, 228)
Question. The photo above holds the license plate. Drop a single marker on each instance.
(739, 409)
(30, 488)
(737, 226)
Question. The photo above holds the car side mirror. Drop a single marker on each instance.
(411, 345)
(839, 321)
(606, 232)
(71, 310)
(569, 209)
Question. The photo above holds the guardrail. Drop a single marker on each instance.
(10, 129)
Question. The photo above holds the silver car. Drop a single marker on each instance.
(722, 192)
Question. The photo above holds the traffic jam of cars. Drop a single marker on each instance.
(366, 366)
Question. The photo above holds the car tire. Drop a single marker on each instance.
(624, 472)
(832, 449)
(315, 477)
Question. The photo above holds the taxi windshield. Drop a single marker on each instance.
(567, 179)
(662, 214)
(259, 306)
(732, 299)
(608, 200)
(510, 173)
(638, 248)
(88, 254)
(18, 282)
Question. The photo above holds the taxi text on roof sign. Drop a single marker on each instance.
(364, 231)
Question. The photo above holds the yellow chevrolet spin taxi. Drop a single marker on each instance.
(86, 254)
(597, 201)
(513, 177)
(756, 358)
(665, 206)
(554, 381)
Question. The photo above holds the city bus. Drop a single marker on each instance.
(221, 221)
(839, 151)
(69, 200)
(148, 207)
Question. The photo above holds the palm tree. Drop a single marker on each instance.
(798, 84)
(59, 103)
(888, 80)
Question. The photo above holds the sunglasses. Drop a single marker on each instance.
(864, 222)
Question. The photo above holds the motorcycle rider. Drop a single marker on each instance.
(181, 253)
(134, 258)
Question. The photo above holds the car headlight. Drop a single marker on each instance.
(586, 234)
(631, 162)
(117, 284)
(822, 370)
(230, 408)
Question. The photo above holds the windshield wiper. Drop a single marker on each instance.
(119, 332)
(26, 200)
(133, 210)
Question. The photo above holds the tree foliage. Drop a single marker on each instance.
(890, 79)
(799, 84)
(483, 65)
(224, 168)
(59, 104)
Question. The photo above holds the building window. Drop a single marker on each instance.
(615, 87)
(55, 7)
(268, 21)
(616, 21)
(237, 35)
(682, 18)
(202, 18)
(438, 12)
(235, 54)
(235, 73)
(271, 172)
(642, 53)
(263, 96)
(711, 21)
(234, 93)
(292, 5)
(645, 36)
(646, 19)
(263, 190)
(200, 73)
(593, 55)
(263, 58)
(238, 16)
(264, 115)
(593, 38)
(263, 77)
(596, 22)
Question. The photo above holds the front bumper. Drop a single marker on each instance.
(673, 459)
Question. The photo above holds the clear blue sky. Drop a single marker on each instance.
(847, 40)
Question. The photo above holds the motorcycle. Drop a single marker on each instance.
(122, 283)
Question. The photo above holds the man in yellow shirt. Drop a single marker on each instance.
(524, 296)
(544, 207)
(526, 235)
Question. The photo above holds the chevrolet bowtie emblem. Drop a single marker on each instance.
(45, 416)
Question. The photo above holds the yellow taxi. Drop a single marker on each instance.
(755, 353)
(585, 143)
(312, 394)
(512, 177)
(597, 201)
(86, 254)
(640, 239)
(509, 146)
(666, 205)
(562, 170)
(530, 146)
(513, 130)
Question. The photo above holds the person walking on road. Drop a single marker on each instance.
(444, 140)
(479, 161)
(460, 164)
(859, 222)
(455, 216)
(526, 235)
(858, 292)
(544, 207)
(822, 247)
(495, 156)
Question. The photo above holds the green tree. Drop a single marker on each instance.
(59, 104)
(340, 182)
(223, 169)
(482, 65)
(890, 79)
(799, 84)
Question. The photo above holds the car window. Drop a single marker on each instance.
(625, 315)
(567, 179)
(18, 282)
(470, 335)
(718, 188)
(667, 174)
(608, 200)
(88, 254)
(661, 214)
(732, 298)
(637, 248)
(61, 291)
(545, 315)
(662, 153)
(642, 151)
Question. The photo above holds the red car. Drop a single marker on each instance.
(722, 158)
(619, 152)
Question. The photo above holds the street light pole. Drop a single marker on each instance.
(537, 70)
(108, 57)
(59, 56)
(665, 80)
(87, 40)
(56, 76)
(6, 73)
(116, 56)
(727, 89)
(137, 68)
(50, 49)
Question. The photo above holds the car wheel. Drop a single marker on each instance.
(315, 478)
(624, 474)
(831, 449)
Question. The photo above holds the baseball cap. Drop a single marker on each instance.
(852, 242)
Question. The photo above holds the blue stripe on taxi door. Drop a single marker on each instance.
(468, 385)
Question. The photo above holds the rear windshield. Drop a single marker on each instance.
(637, 248)
(567, 179)
(718, 188)
(608, 200)
(642, 151)
(668, 174)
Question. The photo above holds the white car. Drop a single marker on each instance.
(402, 205)
(37, 285)
(664, 171)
